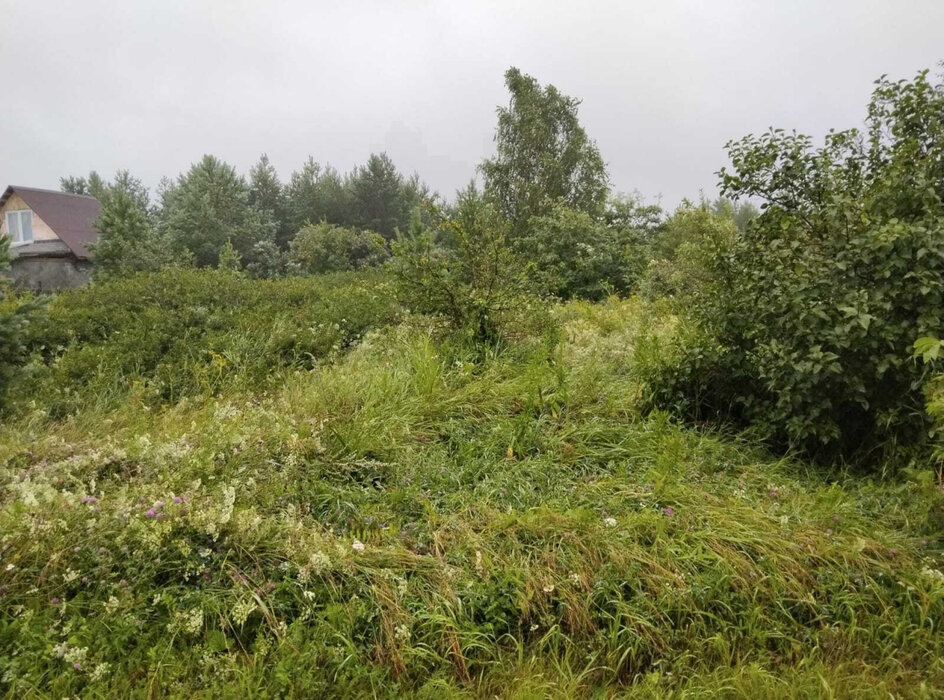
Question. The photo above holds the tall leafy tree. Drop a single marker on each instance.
(208, 206)
(543, 155)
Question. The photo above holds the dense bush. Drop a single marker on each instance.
(577, 255)
(683, 254)
(324, 247)
(463, 270)
(831, 284)
(181, 332)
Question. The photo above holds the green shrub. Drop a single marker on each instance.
(828, 287)
(321, 248)
(685, 254)
(17, 314)
(183, 332)
(467, 274)
(576, 255)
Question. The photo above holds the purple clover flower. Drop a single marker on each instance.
(668, 510)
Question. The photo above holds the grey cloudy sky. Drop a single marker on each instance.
(151, 86)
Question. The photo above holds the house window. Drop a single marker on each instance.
(20, 226)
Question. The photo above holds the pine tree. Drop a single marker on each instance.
(208, 206)
(127, 242)
(267, 195)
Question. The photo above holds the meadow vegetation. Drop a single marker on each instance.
(559, 444)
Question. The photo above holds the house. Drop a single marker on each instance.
(49, 236)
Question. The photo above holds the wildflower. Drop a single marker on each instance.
(357, 546)
(270, 586)
(534, 627)
(55, 601)
(774, 493)
(159, 505)
(829, 531)
(77, 666)
(549, 588)
(150, 513)
(193, 621)
(609, 522)
(932, 574)
(100, 671)
(668, 511)
(575, 579)
(91, 500)
(178, 500)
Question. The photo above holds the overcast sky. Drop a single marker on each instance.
(152, 86)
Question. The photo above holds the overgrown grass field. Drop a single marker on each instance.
(293, 490)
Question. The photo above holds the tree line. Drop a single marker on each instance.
(211, 215)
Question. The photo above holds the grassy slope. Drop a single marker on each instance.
(526, 533)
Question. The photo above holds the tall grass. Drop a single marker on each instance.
(414, 519)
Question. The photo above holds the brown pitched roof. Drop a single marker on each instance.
(71, 216)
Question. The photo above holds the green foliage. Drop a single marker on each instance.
(741, 213)
(266, 260)
(689, 260)
(321, 248)
(230, 259)
(381, 200)
(375, 197)
(91, 186)
(543, 155)
(832, 282)
(405, 523)
(17, 314)
(209, 206)
(575, 254)
(96, 186)
(128, 240)
(316, 194)
(467, 273)
(266, 194)
(181, 332)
